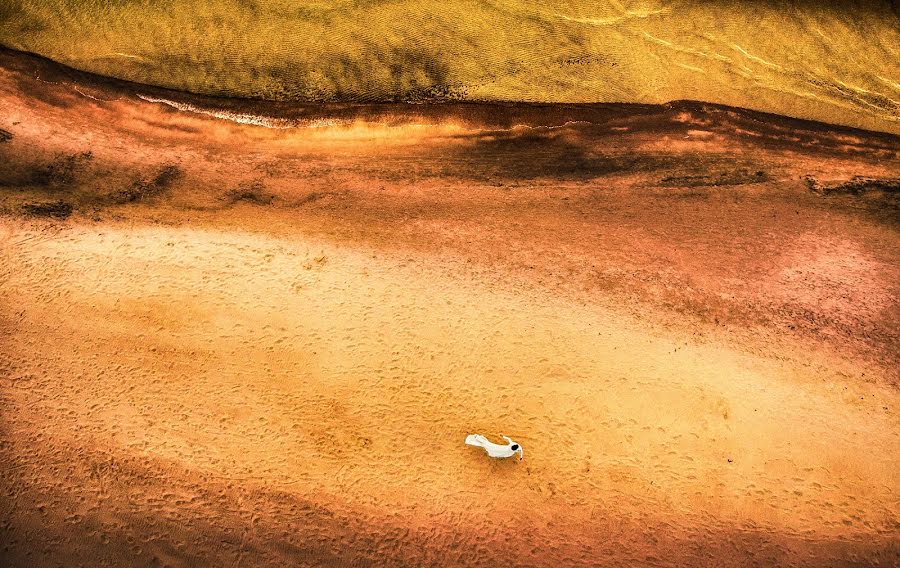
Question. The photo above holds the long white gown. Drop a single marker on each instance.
(496, 450)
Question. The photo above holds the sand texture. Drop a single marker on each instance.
(229, 338)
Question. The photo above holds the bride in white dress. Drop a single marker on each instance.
(496, 450)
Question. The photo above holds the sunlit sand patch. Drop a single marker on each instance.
(287, 359)
(255, 345)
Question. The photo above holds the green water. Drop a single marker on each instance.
(836, 62)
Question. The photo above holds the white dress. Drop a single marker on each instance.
(507, 450)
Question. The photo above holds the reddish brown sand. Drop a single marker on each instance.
(226, 344)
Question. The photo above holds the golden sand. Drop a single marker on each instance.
(224, 343)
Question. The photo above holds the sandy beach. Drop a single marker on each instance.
(246, 337)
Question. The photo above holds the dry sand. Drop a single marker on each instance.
(229, 344)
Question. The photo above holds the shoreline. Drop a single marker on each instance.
(493, 114)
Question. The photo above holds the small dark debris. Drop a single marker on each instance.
(143, 188)
(54, 209)
(311, 197)
(167, 175)
(734, 177)
(5, 135)
(253, 192)
(856, 186)
(62, 170)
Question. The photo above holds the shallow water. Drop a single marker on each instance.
(830, 61)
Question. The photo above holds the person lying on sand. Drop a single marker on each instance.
(496, 450)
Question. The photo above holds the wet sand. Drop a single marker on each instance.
(226, 343)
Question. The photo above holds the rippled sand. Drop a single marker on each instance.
(835, 61)
(225, 343)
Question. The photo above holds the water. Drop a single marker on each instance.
(831, 62)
